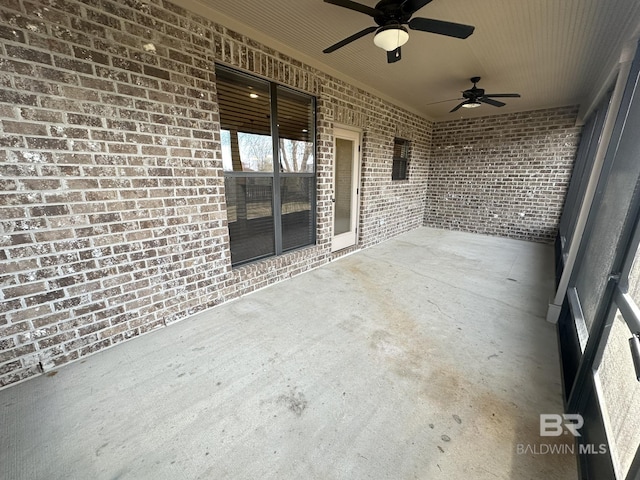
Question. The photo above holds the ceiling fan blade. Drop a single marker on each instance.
(502, 95)
(394, 55)
(456, 30)
(444, 101)
(457, 107)
(495, 103)
(358, 7)
(350, 39)
(412, 6)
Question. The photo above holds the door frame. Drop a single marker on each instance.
(350, 238)
(582, 348)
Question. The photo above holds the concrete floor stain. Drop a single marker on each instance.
(294, 401)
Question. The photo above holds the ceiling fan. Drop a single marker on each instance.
(474, 97)
(391, 16)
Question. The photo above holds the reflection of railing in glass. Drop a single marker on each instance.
(296, 195)
(248, 199)
(297, 219)
(258, 193)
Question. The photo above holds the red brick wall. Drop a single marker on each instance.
(112, 212)
(503, 175)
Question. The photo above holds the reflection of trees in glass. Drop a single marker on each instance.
(256, 152)
(296, 156)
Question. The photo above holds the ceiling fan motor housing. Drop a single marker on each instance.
(392, 13)
(473, 93)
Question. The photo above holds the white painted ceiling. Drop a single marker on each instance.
(552, 52)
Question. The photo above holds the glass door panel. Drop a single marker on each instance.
(345, 188)
(621, 396)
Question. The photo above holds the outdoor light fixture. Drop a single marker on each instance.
(471, 104)
(253, 95)
(391, 37)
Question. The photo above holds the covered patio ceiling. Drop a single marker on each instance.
(552, 52)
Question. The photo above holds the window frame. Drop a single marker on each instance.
(403, 174)
(277, 173)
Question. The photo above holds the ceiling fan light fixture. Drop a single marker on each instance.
(391, 37)
(471, 104)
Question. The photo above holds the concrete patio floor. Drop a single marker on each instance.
(425, 357)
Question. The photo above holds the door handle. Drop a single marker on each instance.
(634, 343)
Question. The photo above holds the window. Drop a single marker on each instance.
(270, 204)
(400, 159)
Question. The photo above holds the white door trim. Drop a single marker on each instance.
(349, 238)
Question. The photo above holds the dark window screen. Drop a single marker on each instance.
(297, 220)
(400, 159)
(250, 217)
